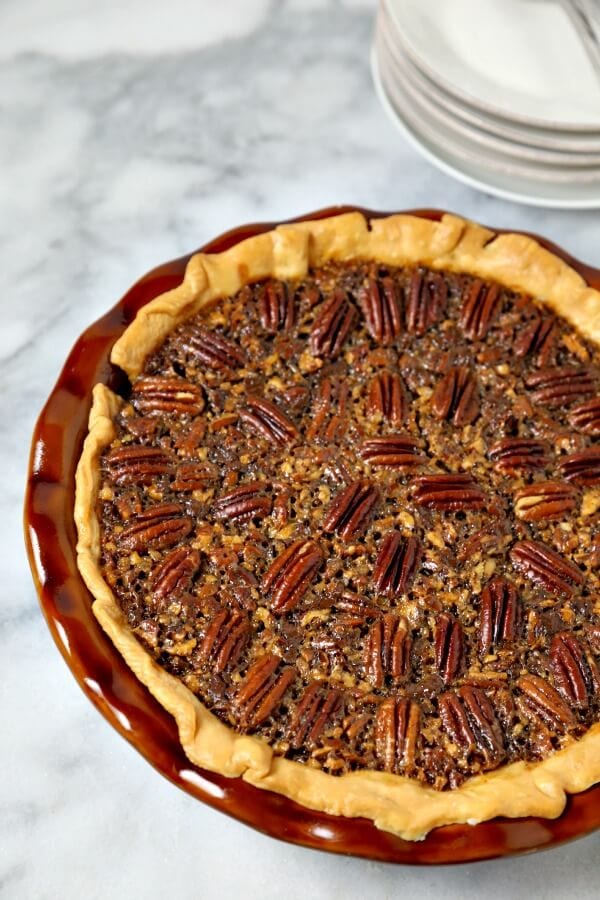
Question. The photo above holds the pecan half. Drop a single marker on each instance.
(317, 707)
(425, 302)
(193, 476)
(387, 650)
(262, 689)
(155, 528)
(173, 576)
(586, 417)
(572, 673)
(380, 304)
(539, 701)
(269, 421)
(500, 614)
(387, 397)
(456, 397)
(448, 646)
(353, 610)
(164, 394)
(288, 577)
(396, 451)
(396, 565)
(560, 386)
(276, 307)
(545, 567)
(332, 325)
(448, 492)
(469, 720)
(480, 306)
(536, 338)
(249, 501)
(486, 727)
(137, 465)
(455, 722)
(583, 467)
(511, 454)
(212, 349)
(351, 509)
(329, 419)
(224, 640)
(544, 500)
(397, 727)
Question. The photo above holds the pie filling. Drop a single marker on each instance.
(357, 516)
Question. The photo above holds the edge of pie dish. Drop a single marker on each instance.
(394, 803)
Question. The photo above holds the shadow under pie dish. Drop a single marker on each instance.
(343, 526)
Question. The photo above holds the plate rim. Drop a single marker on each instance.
(466, 97)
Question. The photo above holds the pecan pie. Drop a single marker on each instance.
(344, 524)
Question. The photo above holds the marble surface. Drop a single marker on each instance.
(130, 132)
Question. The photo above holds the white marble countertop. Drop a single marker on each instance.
(131, 131)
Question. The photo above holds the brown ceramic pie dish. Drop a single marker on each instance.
(471, 648)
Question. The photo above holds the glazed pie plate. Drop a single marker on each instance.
(314, 517)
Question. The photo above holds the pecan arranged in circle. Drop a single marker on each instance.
(387, 397)
(544, 500)
(225, 639)
(329, 419)
(511, 454)
(268, 420)
(448, 646)
(262, 690)
(137, 465)
(575, 677)
(539, 701)
(353, 610)
(560, 386)
(193, 476)
(351, 509)
(276, 307)
(173, 576)
(546, 567)
(317, 708)
(456, 397)
(480, 306)
(380, 303)
(249, 501)
(165, 394)
(469, 720)
(583, 467)
(396, 565)
(155, 528)
(447, 492)
(397, 734)
(536, 339)
(500, 614)
(387, 650)
(212, 349)
(396, 451)
(332, 325)
(585, 417)
(289, 576)
(425, 302)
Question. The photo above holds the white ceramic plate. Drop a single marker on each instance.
(533, 162)
(518, 59)
(586, 145)
(434, 148)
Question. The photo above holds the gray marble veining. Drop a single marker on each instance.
(131, 133)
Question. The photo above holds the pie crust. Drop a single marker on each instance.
(395, 803)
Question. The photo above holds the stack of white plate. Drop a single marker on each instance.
(499, 93)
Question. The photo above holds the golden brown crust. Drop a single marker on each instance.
(394, 803)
